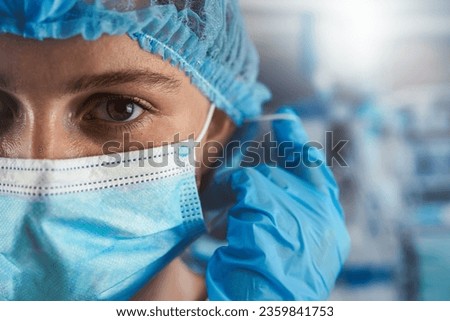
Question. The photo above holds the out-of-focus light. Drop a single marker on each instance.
(351, 38)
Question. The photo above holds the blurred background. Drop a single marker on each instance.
(375, 73)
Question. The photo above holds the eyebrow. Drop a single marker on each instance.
(110, 79)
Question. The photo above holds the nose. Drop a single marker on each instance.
(48, 136)
(45, 137)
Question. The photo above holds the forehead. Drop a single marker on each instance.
(31, 62)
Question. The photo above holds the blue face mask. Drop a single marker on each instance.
(95, 228)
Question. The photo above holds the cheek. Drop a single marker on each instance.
(14, 140)
(10, 147)
(81, 146)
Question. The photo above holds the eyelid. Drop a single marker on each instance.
(115, 128)
(104, 97)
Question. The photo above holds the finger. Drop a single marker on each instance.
(266, 223)
(300, 155)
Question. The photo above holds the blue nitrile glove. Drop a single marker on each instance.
(286, 234)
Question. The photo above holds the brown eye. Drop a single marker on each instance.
(122, 110)
(116, 110)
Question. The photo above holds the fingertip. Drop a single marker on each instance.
(289, 129)
(287, 110)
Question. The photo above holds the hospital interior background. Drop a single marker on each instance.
(375, 73)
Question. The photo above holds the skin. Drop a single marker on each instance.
(58, 101)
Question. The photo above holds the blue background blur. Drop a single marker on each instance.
(376, 73)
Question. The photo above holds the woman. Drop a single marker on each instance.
(99, 188)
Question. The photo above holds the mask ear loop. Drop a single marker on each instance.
(206, 125)
(208, 120)
(202, 134)
(274, 117)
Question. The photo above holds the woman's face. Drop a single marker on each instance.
(66, 98)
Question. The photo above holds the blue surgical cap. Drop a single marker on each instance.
(204, 38)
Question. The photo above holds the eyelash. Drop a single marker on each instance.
(125, 126)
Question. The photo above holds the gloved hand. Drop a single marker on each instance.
(286, 234)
